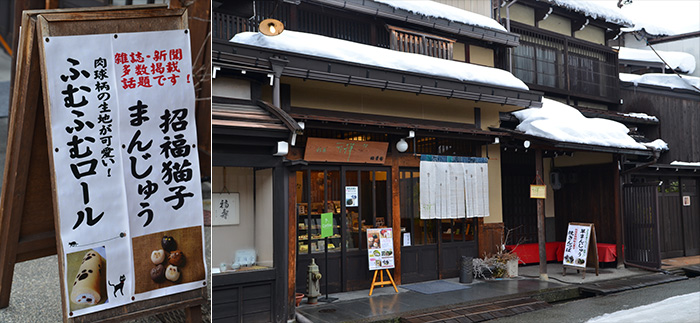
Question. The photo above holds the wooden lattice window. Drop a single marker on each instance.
(410, 41)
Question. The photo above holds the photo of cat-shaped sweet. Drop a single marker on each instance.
(118, 287)
(87, 270)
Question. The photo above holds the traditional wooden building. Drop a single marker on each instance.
(565, 52)
(353, 115)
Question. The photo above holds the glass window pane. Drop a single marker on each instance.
(352, 219)
(302, 212)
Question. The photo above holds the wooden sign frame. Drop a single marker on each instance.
(592, 256)
(29, 226)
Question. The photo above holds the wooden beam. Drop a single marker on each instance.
(540, 217)
(292, 245)
(396, 215)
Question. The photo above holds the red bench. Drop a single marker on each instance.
(529, 253)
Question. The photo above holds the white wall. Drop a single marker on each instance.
(229, 238)
(264, 216)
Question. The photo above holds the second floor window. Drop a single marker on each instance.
(410, 41)
(565, 65)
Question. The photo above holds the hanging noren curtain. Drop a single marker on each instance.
(453, 187)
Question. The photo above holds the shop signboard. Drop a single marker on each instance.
(380, 248)
(576, 246)
(226, 208)
(326, 224)
(538, 191)
(345, 151)
(125, 164)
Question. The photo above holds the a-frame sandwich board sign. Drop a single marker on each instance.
(30, 223)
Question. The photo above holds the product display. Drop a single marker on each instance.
(172, 273)
(176, 258)
(168, 243)
(86, 287)
(158, 273)
(158, 256)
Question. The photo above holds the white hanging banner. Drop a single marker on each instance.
(126, 168)
(453, 187)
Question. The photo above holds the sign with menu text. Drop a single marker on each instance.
(126, 167)
(576, 245)
(380, 248)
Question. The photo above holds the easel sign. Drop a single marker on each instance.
(580, 248)
(116, 136)
(380, 252)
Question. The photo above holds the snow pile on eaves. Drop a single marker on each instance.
(333, 48)
(679, 61)
(672, 81)
(681, 163)
(594, 10)
(439, 10)
(640, 115)
(561, 122)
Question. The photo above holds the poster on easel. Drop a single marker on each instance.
(125, 164)
(380, 248)
(580, 248)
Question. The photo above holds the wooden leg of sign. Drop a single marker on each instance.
(381, 281)
(193, 314)
(371, 289)
(392, 281)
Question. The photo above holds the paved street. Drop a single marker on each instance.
(584, 309)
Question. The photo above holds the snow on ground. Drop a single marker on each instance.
(640, 115)
(682, 163)
(561, 122)
(681, 308)
(339, 49)
(681, 61)
(439, 10)
(595, 10)
(666, 80)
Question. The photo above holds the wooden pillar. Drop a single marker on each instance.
(618, 212)
(292, 243)
(396, 218)
(540, 217)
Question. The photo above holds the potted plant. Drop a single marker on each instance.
(501, 264)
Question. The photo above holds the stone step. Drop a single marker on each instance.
(479, 312)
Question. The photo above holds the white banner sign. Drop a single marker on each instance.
(124, 148)
(576, 246)
(380, 248)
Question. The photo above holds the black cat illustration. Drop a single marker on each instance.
(118, 287)
(72, 244)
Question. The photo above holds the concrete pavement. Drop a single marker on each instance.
(386, 304)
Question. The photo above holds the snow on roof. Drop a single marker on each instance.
(682, 163)
(595, 10)
(561, 122)
(662, 18)
(640, 115)
(680, 61)
(439, 10)
(666, 80)
(343, 50)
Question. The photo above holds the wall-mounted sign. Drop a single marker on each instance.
(538, 191)
(345, 151)
(126, 168)
(407, 239)
(226, 208)
(686, 200)
(380, 248)
(351, 194)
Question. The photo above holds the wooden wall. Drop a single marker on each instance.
(679, 118)
(587, 196)
(489, 237)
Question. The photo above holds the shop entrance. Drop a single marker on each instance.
(436, 246)
(358, 198)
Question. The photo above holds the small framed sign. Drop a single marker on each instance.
(538, 191)
(686, 200)
(226, 209)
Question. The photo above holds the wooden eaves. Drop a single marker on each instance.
(246, 58)
(555, 144)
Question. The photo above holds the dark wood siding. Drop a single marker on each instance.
(588, 197)
(243, 302)
(679, 118)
